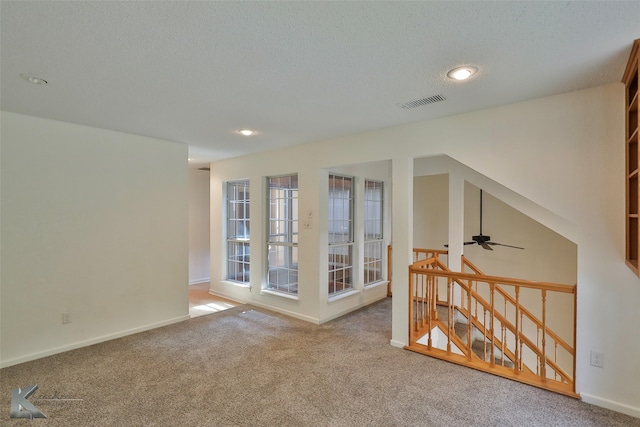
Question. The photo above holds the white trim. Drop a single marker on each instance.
(246, 285)
(80, 344)
(342, 295)
(230, 297)
(375, 285)
(610, 404)
(198, 281)
(280, 294)
(315, 319)
(210, 292)
(286, 312)
(354, 308)
(396, 343)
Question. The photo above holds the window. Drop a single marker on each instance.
(283, 234)
(238, 231)
(340, 234)
(373, 243)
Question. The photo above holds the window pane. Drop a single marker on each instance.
(340, 269)
(340, 234)
(283, 269)
(282, 243)
(373, 208)
(238, 261)
(372, 262)
(373, 225)
(238, 231)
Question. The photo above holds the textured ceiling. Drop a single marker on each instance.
(195, 72)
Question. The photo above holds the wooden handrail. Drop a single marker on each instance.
(554, 287)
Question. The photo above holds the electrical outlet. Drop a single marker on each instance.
(597, 359)
(66, 318)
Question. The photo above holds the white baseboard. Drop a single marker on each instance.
(85, 343)
(398, 344)
(198, 281)
(230, 297)
(353, 308)
(286, 312)
(610, 404)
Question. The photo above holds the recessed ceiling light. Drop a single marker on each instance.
(246, 132)
(33, 79)
(462, 73)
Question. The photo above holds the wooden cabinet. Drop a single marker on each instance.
(630, 80)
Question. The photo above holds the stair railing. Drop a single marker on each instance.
(473, 297)
(418, 254)
(542, 333)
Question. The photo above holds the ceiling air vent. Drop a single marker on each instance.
(204, 169)
(423, 101)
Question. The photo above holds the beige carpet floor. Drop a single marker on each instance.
(250, 367)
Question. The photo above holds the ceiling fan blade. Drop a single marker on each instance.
(485, 246)
(507, 246)
(464, 243)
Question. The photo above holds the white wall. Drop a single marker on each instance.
(431, 211)
(94, 224)
(563, 159)
(547, 257)
(199, 221)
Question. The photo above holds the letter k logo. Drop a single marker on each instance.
(21, 407)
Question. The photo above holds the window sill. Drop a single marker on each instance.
(376, 284)
(343, 295)
(280, 294)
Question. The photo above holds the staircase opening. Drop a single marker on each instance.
(478, 315)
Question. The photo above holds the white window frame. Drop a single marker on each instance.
(373, 253)
(282, 235)
(238, 229)
(341, 235)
